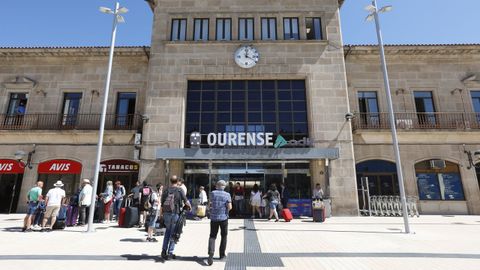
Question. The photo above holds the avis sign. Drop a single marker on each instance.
(60, 166)
(10, 166)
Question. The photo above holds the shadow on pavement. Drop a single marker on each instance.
(133, 240)
(12, 229)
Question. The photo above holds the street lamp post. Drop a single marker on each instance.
(117, 18)
(374, 11)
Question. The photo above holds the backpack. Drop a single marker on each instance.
(146, 197)
(169, 204)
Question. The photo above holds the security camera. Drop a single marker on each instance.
(349, 116)
(145, 118)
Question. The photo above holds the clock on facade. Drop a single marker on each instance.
(246, 56)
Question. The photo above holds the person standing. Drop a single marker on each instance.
(273, 199)
(238, 194)
(135, 194)
(145, 193)
(34, 196)
(284, 195)
(154, 212)
(107, 197)
(318, 192)
(84, 201)
(53, 202)
(119, 194)
(203, 199)
(220, 205)
(256, 200)
(172, 199)
(181, 184)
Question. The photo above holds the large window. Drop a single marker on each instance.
(16, 108)
(425, 108)
(200, 30)
(179, 29)
(224, 29)
(290, 28)
(269, 28)
(476, 103)
(125, 109)
(314, 28)
(245, 29)
(439, 180)
(247, 106)
(368, 107)
(71, 107)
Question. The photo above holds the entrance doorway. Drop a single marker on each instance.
(10, 185)
(295, 175)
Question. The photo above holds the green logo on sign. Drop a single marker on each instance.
(280, 141)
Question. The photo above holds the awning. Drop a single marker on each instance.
(247, 154)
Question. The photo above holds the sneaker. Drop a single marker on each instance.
(223, 258)
(210, 259)
(24, 229)
(276, 220)
(173, 256)
(28, 230)
(148, 239)
(153, 239)
(104, 221)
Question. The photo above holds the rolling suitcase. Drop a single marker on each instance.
(99, 213)
(319, 215)
(60, 222)
(132, 217)
(121, 216)
(72, 215)
(286, 214)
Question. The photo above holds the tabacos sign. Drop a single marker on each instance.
(253, 139)
(60, 166)
(118, 166)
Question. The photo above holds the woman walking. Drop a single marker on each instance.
(273, 198)
(107, 197)
(256, 201)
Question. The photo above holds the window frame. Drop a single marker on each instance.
(314, 28)
(269, 19)
(202, 30)
(223, 20)
(178, 34)
(247, 19)
(290, 21)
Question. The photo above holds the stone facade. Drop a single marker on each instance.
(333, 74)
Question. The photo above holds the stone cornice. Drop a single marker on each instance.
(73, 51)
(428, 49)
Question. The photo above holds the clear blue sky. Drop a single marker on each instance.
(78, 23)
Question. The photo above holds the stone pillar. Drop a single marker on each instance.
(471, 190)
(319, 175)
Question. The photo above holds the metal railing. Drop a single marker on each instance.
(405, 121)
(69, 121)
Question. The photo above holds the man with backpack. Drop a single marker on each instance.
(220, 205)
(172, 199)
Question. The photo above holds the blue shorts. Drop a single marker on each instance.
(152, 220)
(273, 205)
(32, 207)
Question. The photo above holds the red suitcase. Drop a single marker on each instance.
(121, 216)
(286, 214)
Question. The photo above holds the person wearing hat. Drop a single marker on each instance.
(84, 201)
(220, 205)
(53, 202)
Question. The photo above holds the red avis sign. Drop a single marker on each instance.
(10, 166)
(60, 166)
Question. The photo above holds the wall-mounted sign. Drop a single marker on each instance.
(252, 139)
(60, 166)
(118, 166)
(10, 166)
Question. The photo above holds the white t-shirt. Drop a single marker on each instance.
(184, 188)
(203, 197)
(55, 196)
(86, 193)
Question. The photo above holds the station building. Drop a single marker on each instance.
(250, 92)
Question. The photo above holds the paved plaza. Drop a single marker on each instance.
(438, 242)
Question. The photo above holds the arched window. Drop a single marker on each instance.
(439, 180)
(382, 176)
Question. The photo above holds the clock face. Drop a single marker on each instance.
(246, 56)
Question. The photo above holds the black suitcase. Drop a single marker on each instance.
(132, 217)
(99, 213)
(318, 215)
(59, 224)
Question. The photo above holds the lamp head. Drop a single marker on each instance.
(370, 17)
(19, 155)
(105, 10)
(385, 9)
(122, 10)
(371, 8)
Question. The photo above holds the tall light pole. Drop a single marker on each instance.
(374, 11)
(117, 18)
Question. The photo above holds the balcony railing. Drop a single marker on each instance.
(406, 121)
(69, 121)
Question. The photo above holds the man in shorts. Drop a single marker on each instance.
(34, 196)
(53, 202)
